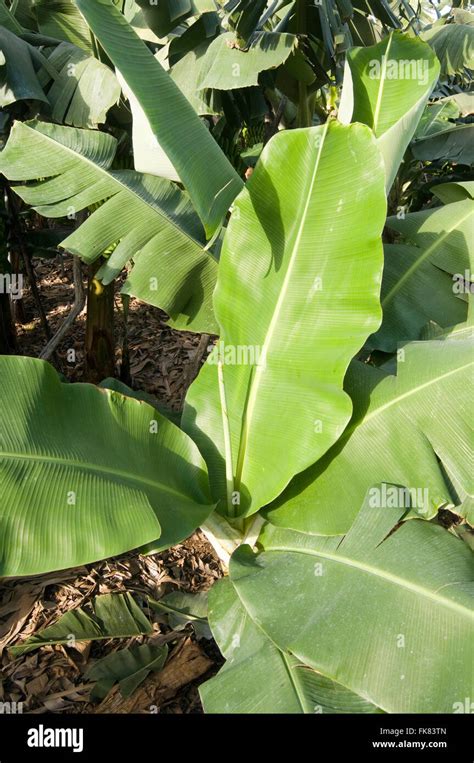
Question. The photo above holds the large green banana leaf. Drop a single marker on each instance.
(443, 234)
(387, 612)
(86, 473)
(440, 137)
(18, 70)
(297, 295)
(118, 386)
(62, 20)
(453, 145)
(225, 66)
(401, 425)
(414, 292)
(205, 171)
(387, 86)
(449, 192)
(186, 73)
(454, 47)
(460, 480)
(148, 155)
(153, 220)
(260, 678)
(419, 281)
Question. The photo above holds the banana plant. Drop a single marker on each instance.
(316, 475)
(129, 477)
(231, 405)
(161, 220)
(299, 346)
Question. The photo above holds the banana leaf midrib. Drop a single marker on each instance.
(357, 424)
(285, 655)
(419, 261)
(294, 680)
(412, 391)
(379, 573)
(451, 127)
(381, 85)
(85, 466)
(112, 176)
(274, 321)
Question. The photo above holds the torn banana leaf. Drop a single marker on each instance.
(397, 596)
(113, 616)
(127, 667)
(260, 678)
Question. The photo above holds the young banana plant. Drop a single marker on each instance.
(296, 297)
(89, 472)
(285, 433)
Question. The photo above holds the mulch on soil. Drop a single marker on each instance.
(51, 679)
(160, 358)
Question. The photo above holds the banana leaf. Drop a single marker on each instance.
(442, 234)
(86, 473)
(285, 336)
(61, 19)
(454, 47)
(260, 678)
(18, 71)
(83, 90)
(386, 610)
(128, 667)
(205, 171)
(227, 66)
(409, 429)
(386, 86)
(113, 616)
(152, 220)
